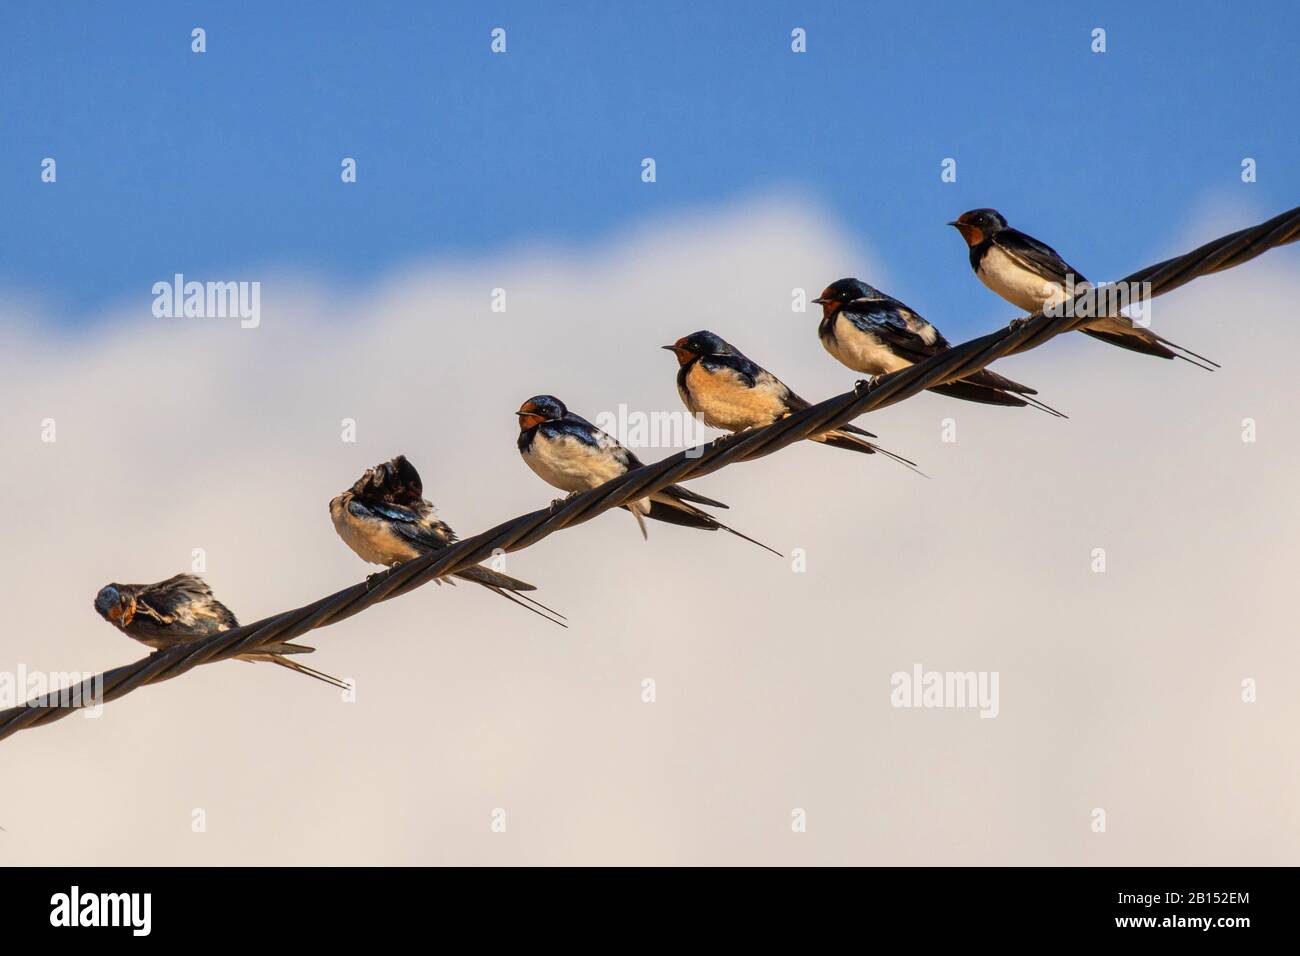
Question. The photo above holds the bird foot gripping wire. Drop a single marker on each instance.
(558, 503)
(865, 384)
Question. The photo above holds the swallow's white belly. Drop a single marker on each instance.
(570, 464)
(369, 538)
(861, 351)
(1022, 287)
(724, 401)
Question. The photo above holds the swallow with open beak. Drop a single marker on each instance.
(1031, 275)
(729, 391)
(570, 453)
(384, 518)
(871, 332)
(182, 609)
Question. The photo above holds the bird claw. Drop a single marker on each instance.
(370, 579)
(864, 384)
(558, 503)
(1015, 325)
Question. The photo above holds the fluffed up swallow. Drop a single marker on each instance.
(871, 332)
(729, 391)
(182, 609)
(570, 453)
(1031, 275)
(384, 518)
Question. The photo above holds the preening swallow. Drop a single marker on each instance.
(1031, 275)
(730, 391)
(384, 518)
(871, 332)
(182, 609)
(570, 453)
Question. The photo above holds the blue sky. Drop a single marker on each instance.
(226, 164)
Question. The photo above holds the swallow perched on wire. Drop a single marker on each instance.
(384, 518)
(871, 332)
(1031, 275)
(730, 391)
(182, 609)
(570, 453)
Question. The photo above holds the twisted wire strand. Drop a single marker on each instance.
(958, 362)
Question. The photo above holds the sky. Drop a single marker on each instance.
(1161, 688)
(226, 164)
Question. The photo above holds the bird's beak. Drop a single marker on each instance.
(972, 234)
(671, 348)
(820, 301)
(528, 416)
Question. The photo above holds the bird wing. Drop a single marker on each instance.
(184, 599)
(747, 371)
(577, 427)
(1036, 256)
(898, 327)
(418, 526)
(794, 402)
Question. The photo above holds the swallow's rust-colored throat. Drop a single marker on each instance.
(973, 235)
(679, 349)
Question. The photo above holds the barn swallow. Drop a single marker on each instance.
(870, 332)
(182, 609)
(1031, 275)
(570, 453)
(729, 391)
(384, 518)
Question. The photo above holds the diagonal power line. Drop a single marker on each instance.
(517, 533)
